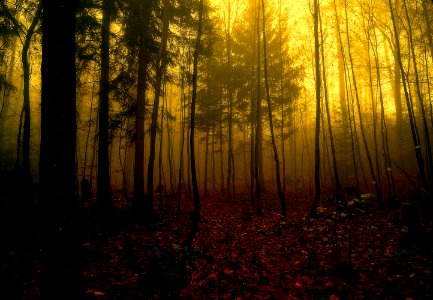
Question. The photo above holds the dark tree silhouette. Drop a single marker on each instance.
(317, 133)
(196, 213)
(60, 244)
(103, 183)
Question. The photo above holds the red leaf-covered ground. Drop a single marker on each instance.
(351, 252)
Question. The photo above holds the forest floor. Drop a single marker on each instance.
(351, 252)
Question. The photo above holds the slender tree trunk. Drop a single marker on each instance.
(206, 154)
(182, 140)
(383, 127)
(143, 61)
(27, 177)
(397, 81)
(428, 86)
(361, 125)
(213, 160)
(94, 154)
(258, 172)
(244, 156)
(283, 152)
(169, 144)
(221, 148)
(420, 98)
(196, 214)
(230, 116)
(160, 69)
(328, 115)
(373, 104)
(413, 126)
(60, 247)
(103, 184)
(352, 125)
(317, 132)
(160, 166)
(6, 100)
(252, 139)
(271, 124)
(89, 128)
(428, 24)
(341, 80)
(19, 142)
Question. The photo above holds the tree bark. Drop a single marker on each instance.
(258, 154)
(341, 80)
(328, 115)
(428, 25)
(420, 98)
(317, 131)
(103, 182)
(143, 61)
(160, 69)
(230, 116)
(397, 80)
(271, 124)
(27, 177)
(206, 154)
(361, 125)
(61, 275)
(196, 213)
(413, 126)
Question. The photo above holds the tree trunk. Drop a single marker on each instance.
(397, 82)
(271, 124)
(86, 188)
(61, 274)
(213, 160)
(317, 132)
(169, 144)
(420, 98)
(428, 25)
(341, 80)
(143, 61)
(182, 140)
(413, 126)
(103, 183)
(160, 69)
(258, 154)
(361, 125)
(196, 214)
(383, 127)
(230, 116)
(328, 115)
(27, 177)
(221, 148)
(373, 107)
(6, 102)
(206, 154)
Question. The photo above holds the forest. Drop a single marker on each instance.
(216, 149)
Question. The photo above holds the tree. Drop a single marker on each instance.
(103, 183)
(258, 154)
(413, 126)
(196, 213)
(161, 62)
(59, 231)
(328, 115)
(143, 61)
(361, 125)
(271, 125)
(420, 96)
(25, 117)
(27, 177)
(317, 132)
